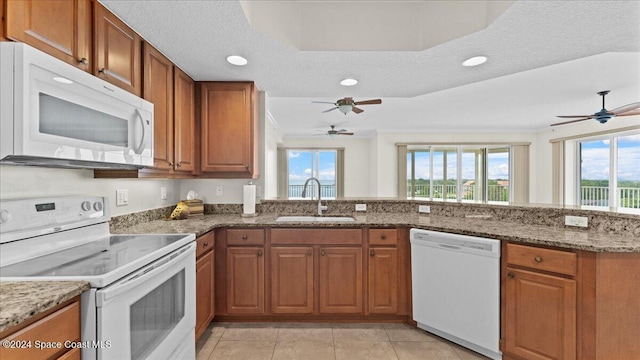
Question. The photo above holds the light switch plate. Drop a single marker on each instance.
(361, 207)
(218, 190)
(163, 193)
(122, 197)
(579, 221)
(425, 209)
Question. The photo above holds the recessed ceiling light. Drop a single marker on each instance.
(62, 80)
(475, 61)
(348, 82)
(237, 60)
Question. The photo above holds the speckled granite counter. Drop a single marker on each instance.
(590, 240)
(23, 299)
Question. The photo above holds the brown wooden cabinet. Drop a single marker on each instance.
(229, 129)
(61, 28)
(245, 280)
(205, 283)
(58, 325)
(117, 51)
(184, 123)
(340, 284)
(292, 280)
(382, 294)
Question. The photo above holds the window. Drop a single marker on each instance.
(609, 165)
(458, 173)
(298, 165)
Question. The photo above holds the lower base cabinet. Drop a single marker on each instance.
(340, 285)
(205, 283)
(383, 280)
(245, 280)
(292, 280)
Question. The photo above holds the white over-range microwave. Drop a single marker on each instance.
(54, 114)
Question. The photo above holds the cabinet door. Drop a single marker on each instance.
(340, 280)
(228, 129)
(245, 280)
(61, 28)
(118, 51)
(383, 280)
(184, 137)
(292, 280)
(158, 89)
(540, 315)
(204, 292)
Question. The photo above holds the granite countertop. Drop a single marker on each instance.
(21, 300)
(590, 240)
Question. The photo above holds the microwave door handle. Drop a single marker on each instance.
(138, 150)
(106, 294)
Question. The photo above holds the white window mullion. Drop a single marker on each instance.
(459, 175)
(431, 174)
(613, 172)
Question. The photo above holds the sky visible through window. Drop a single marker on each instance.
(498, 166)
(304, 164)
(595, 159)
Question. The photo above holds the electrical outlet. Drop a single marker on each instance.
(218, 190)
(361, 207)
(426, 209)
(122, 197)
(163, 193)
(580, 221)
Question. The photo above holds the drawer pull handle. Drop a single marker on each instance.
(372, 253)
(511, 275)
(322, 252)
(244, 237)
(383, 236)
(179, 164)
(259, 253)
(538, 259)
(205, 244)
(309, 253)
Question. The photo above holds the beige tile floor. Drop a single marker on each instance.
(320, 341)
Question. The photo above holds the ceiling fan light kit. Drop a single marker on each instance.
(603, 115)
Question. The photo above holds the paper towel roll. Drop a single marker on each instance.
(249, 200)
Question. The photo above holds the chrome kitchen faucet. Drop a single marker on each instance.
(304, 193)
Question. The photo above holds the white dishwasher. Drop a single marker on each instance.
(456, 288)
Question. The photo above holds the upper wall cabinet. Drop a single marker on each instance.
(117, 51)
(184, 127)
(61, 28)
(229, 129)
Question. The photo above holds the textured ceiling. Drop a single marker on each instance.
(506, 92)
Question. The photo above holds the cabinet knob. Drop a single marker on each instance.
(83, 61)
(309, 253)
(102, 71)
(511, 275)
(170, 163)
(205, 244)
(372, 253)
(179, 164)
(322, 252)
(244, 237)
(259, 252)
(537, 259)
(383, 236)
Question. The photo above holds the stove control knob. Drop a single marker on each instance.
(5, 216)
(86, 206)
(97, 206)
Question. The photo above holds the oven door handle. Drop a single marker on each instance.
(142, 275)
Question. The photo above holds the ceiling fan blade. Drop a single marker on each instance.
(323, 102)
(344, 133)
(573, 116)
(330, 109)
(342, 130)
(572, 121)
(629, 113)
(369, 102)
(356, 110)
(625, 108)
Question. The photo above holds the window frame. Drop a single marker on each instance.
(283, 170)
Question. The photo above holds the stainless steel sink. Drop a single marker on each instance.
(315, 219)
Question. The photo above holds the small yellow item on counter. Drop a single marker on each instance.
(180, 212)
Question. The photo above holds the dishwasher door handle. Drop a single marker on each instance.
(452, 247)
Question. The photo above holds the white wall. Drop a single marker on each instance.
(356, 160)
(26, 182)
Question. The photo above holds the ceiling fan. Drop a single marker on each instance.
(348, 104)
(333, 132)
(603, 115)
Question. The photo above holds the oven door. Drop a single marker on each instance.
(150, 314)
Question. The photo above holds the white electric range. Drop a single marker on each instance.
(141, 304)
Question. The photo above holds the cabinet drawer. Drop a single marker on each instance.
(316, 236)
(245, 237)
(383, 236)
(204, 243)
(60, 326)
(562, 262)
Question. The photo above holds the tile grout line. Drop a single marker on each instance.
(275, 343)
